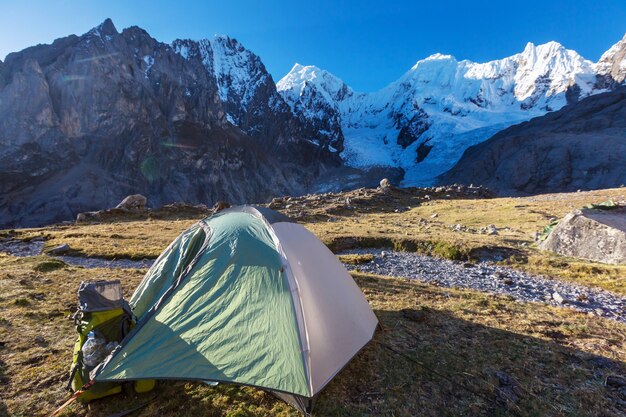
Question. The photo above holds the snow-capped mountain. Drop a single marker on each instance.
(426, 119)
(611, 67)
(244, 86)
(89, 119)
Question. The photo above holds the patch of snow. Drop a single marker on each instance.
(230, 119)
(149, 62)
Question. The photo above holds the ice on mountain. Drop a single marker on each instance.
(149, 62)
(464, 103)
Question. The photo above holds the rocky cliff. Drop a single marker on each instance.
(581, 146)
(90, 119)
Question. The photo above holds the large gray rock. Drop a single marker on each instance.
(133, 202)
(596, 235)
(582, 146)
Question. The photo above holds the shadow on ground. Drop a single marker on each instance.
(425, 361)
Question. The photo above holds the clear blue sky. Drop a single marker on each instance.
(366, 43)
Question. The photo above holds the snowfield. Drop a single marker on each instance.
(424, 121)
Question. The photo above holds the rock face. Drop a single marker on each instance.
(597, 235)
(423, 121)
(582, 146)
(611, 68)
(90, 119)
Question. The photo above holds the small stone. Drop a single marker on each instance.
(384, 183)
(434, 215)
(59, 250)
(508, 390)
(220, 205)
(558, 298)
(507, 281)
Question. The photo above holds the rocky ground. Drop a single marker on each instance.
(483, 276)
(489, 277)
(384, 199)
(471, 311)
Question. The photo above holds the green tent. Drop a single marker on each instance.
(245, 297)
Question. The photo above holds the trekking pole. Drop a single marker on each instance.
(72, 398)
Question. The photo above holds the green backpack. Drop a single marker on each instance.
(102, 310)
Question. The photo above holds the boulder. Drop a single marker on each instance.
(219, 206)
(133, 202)
(59, 250)
(593, 234)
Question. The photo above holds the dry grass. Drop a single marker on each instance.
(460, 338)
(558, 356)
(517, 219)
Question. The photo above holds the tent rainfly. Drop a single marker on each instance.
(245, 297)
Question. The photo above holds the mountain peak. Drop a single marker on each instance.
(300, 75)
(222, 38)
(105, 28)
(551, 48)
(438, 56)
(433, 58)
(105, 31)
(612, 63)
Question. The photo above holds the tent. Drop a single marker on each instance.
(245, 297)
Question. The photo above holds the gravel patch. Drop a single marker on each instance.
(21, 247)
(107, 263)
(492, 278)
(35, 247)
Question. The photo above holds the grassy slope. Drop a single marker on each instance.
(464, 335)
(559, 357)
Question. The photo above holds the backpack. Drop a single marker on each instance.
(102, 310)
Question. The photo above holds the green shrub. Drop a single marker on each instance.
(50, 265)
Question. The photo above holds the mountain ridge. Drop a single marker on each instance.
(89, 119)
(581, 146)
(425, 119)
